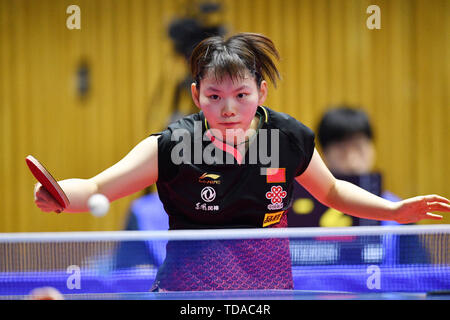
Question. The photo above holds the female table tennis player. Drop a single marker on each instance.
(227, 189)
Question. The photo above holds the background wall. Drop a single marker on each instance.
(399, 74)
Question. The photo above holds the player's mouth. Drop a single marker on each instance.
(229, 124)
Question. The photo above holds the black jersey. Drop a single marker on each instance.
(237, 190)
(204, 183)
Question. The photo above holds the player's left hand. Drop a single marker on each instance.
(419, 208)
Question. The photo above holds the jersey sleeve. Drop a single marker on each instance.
(305, 138)
(300, 137)
(166, 168)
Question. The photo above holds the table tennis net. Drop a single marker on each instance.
(355, 259)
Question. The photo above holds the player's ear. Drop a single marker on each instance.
(195, 94)
(262, 93)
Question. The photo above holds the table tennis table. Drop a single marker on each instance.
(250, 295)
(262, 295)
(341, 264)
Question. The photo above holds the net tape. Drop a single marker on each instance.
(222, 234)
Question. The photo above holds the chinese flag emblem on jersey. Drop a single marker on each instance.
(276, 175)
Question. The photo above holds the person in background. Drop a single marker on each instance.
(348, 148)
(347, 141)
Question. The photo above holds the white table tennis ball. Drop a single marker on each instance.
(98, 205)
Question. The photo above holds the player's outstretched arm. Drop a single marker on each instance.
(136, 171)
(351, 199)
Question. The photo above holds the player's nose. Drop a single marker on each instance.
(228, 110)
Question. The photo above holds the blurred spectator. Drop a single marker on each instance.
(347, 140)
(346, 137)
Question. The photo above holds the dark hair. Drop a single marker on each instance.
(341, 123)
(232, 56)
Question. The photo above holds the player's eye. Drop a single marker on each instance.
(242, 95)
(214, 97)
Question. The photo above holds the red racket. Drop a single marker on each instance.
(47, 181)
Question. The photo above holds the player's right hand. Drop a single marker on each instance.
(44, 200)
